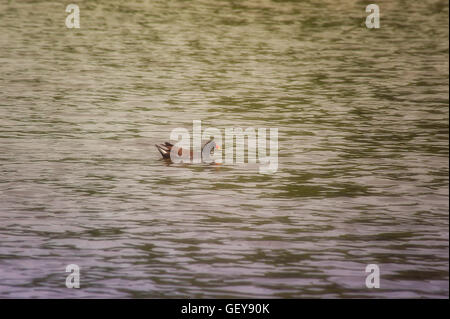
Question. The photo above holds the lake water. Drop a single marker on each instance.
(362, 117)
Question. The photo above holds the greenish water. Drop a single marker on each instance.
(362, 117)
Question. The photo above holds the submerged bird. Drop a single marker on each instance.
(207, 149)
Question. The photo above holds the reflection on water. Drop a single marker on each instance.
(363, 149)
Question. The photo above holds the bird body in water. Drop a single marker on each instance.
(166, 148)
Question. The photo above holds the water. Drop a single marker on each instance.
(363, 160)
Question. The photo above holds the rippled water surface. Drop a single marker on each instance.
(362, 116)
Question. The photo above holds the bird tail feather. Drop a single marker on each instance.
(163, 150)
